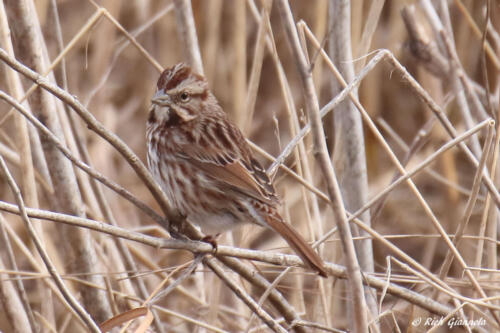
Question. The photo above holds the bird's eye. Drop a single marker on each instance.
(184, 96)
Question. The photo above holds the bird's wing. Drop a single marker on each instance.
(225, 156)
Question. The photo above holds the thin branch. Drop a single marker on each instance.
(92, 172)
(16, 303)
(242, 295)
(97, 127)
(470, 204)
(321, 153)
(92, 326)
(223, 253)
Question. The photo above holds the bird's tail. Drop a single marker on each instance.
(297, 243)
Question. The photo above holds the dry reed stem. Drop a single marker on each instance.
(39, 267)
(12, 293)
(487, 207)
(239, 72)
(313, 220)
(255, 72)
(241, 294)
(187, 29)
(90, 23)
(321, 153)
(130, 38)
(200, 247)
(470, 203)
(212, 41)
(96, 126)
(26, 163)
(387, 148)
(187, 33)
(477, 32)
(92, 172)
(411, 184)
(84, 315)
(78, 243)
(369, 30)
(349, 151)
(97, 196)
(430, 159)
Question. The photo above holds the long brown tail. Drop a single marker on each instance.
(297, 243)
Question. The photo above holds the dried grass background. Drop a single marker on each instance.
(111, 66)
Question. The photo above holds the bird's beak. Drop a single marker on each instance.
(160, 98)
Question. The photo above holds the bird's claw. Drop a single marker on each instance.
(212, 241)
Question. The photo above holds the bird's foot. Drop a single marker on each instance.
(212, 240)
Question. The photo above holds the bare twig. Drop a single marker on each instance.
(470, 204)
(46, 260)
(240, 292)
(96, 126)
(78, 245)
(92, 172)
(16, 303)
(222, 252)
(321, 153)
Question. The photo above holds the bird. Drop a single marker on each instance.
(205, 166)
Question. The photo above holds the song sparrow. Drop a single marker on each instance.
(205, 166)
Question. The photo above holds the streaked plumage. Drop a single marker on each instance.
(205, 166)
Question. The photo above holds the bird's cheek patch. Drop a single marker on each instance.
(185, 115)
